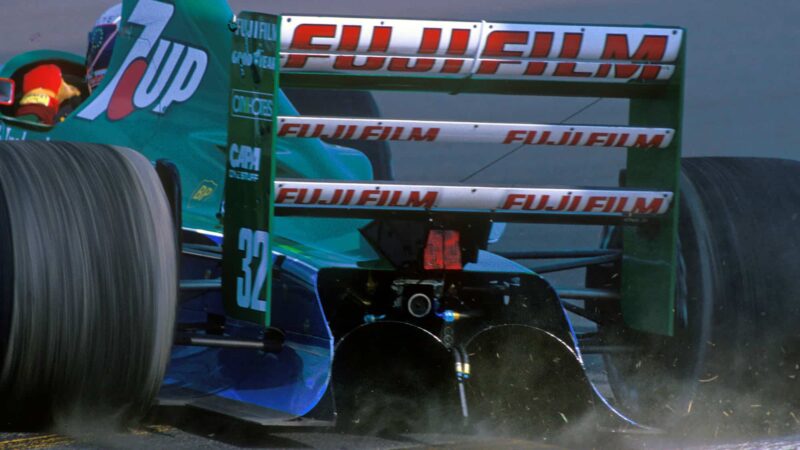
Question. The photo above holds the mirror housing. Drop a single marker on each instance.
(7, 91)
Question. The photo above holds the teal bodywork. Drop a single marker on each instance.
(193, 133)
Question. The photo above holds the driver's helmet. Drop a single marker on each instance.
(101, 44)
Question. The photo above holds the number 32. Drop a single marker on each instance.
(254, 244)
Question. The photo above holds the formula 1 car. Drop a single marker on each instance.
(187, 237)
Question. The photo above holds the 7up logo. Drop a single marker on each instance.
(156, 72)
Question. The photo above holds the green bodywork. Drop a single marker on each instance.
(192, 132)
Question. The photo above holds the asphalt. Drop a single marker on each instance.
(741, 99)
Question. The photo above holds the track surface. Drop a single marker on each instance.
(741, 100)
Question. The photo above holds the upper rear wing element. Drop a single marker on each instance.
(643, 64)
(477, 50)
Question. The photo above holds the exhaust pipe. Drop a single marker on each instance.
(419, 305)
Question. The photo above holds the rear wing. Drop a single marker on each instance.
(644, 64)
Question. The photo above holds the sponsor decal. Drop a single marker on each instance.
(205, 190)
(251, 105)
(8, 133)
(473, 198)
(254, 245)
(256, 58)
(358, 132)
(478, 49)
(357, 197)
(155, 74)
(490, 133)
(245, 162)
(257, 29)
(592, 139)
(584, 203)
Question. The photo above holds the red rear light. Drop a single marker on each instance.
(433, 258)
(443, 250)
(452, 250)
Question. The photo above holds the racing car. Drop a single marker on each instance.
(188, 236)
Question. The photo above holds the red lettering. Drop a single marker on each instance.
(430, 40)
(304, 34)
(610, 204)
(430, 134)
(427, 201)
(602, 71)
(652, 48)
(338, 132)
(380, 39)
(543, 202)
(596, 138)
(351, 130)
(348, 196)
(496, 46)
(645, 141)
(284, 195)
(337, 194)
(513, 136)
(402, 64)
(568, 70)
(369, 132)
(387, 131)
(594, 202)
(459, 40)
(561, 205)
(572, 45)
(452, 66)
(575, 203)
(367, 196)
(288, 129)
(395, 198)
(529, 199)
(625, 70)
(384, 198)
(535, 68)
(621, 204)
(302, 40)
(397, 133)
(347, 62)
(650, 72)
(350, 36)
(642, 207)
(315, 195)
(513, 200)
(542, 44)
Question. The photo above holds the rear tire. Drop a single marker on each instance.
(734, 362)
(392, 377)
(89, 283)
